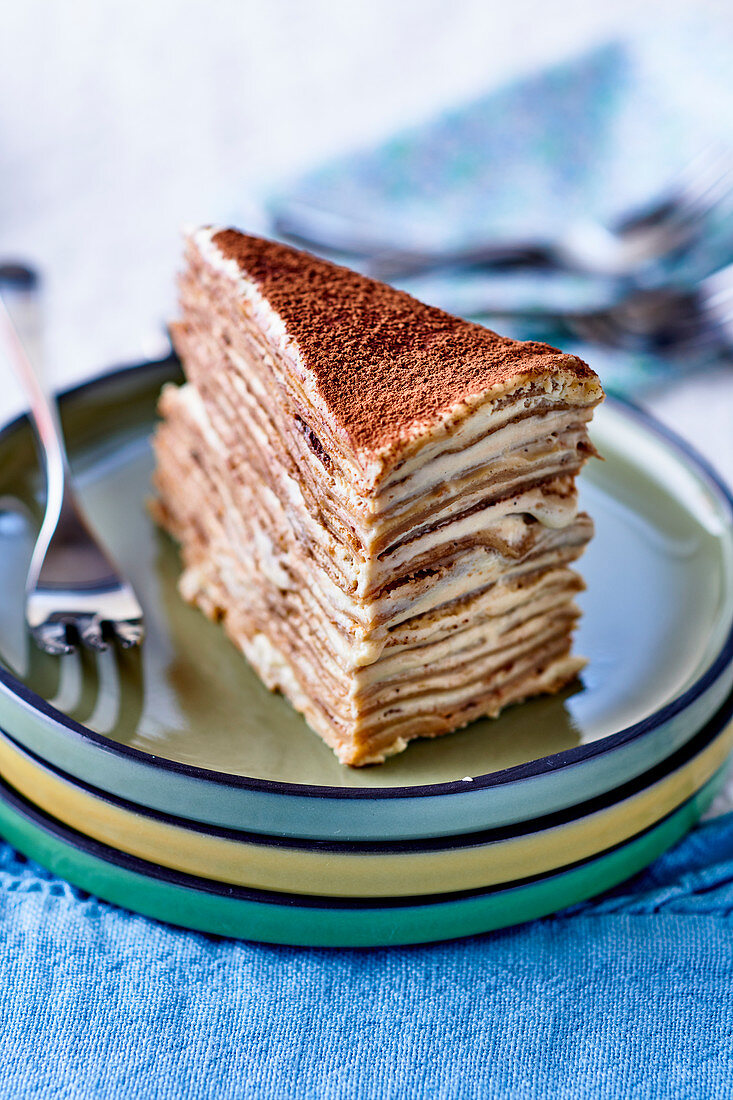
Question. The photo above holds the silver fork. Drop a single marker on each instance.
(664, 319)
(74, 592)
(672, 222)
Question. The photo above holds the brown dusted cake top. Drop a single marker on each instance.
(383, 362)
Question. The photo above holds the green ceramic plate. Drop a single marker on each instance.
(326, 922)
(187, 729)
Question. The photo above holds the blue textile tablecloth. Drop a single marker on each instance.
(628, 996)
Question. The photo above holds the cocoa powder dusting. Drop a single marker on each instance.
(382, 360)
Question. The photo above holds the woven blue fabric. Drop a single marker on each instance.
(628, 996)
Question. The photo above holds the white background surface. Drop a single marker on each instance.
(119, 122)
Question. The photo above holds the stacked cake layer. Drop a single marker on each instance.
(376, 499)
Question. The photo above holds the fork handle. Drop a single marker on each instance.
(76, 551)
(20, 339)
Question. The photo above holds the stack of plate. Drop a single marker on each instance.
(171, 782)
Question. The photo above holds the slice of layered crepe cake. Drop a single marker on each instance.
(376, 499)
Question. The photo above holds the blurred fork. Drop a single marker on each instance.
(73, 592)
(667, 319)
(663, 319)
(667, 225)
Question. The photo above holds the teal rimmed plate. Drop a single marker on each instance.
(186, 728)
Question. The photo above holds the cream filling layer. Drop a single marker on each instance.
(488, 445)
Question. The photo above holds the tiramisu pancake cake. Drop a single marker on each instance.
(376, 499)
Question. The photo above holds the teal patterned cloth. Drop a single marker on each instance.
(591, 139)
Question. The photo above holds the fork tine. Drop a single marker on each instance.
(702, 204)
(129, 632)
(53, 638)
(710, 163)
(704, 191)
(90, 633)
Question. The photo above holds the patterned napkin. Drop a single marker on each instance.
(591, 139)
